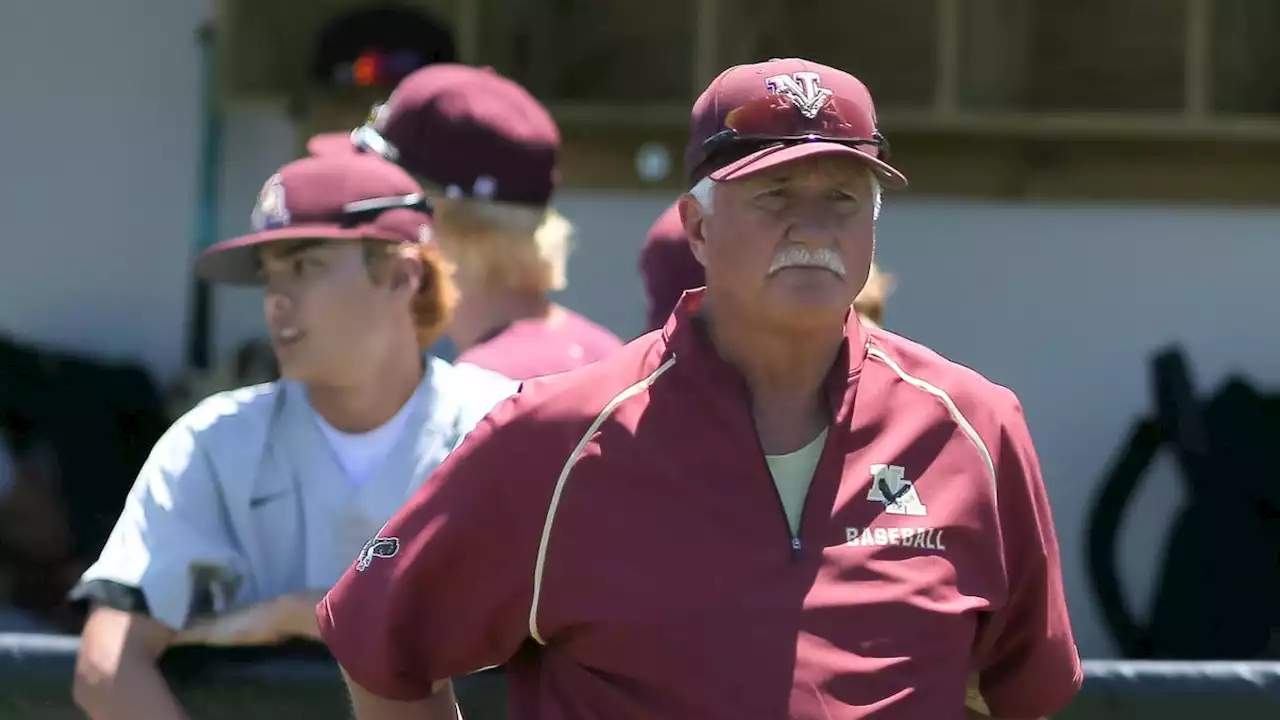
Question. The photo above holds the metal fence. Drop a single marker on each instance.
(36, 670)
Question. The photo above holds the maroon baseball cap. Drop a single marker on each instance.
(340, 196)
(468, 130)
(754, 117)
(668, 267)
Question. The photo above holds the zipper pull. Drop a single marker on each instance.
(795, 546)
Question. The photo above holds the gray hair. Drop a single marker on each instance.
(704, 192)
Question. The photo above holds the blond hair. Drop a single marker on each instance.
(870, 302)
(508, 246)
(437, 295)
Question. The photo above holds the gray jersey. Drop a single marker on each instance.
(243, 499)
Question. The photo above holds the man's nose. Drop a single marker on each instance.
(813, 225)
(277, 301)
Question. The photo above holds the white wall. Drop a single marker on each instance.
(99, 145)
(256, 141)
(1065, 304)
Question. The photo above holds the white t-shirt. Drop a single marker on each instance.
(242, 499)
(362, 454)
(792, 475)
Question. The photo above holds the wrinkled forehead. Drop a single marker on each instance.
(841, 171)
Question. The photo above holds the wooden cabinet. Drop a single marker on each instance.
(1132, 87)
(1243, 57)
(267, 49)
(1137, 99)
(592, 52)
(890, 46)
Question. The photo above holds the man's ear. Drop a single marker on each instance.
(408, 270)
(693, 217)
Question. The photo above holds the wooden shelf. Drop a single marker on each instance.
(890, 46)
(1159, 127)
(1141, 157)
(1124, 99)
(1017, 160)
(1243, 56)
(585, 50)
(1167, 126)
(1114, 65)
(265, 48)
(1169, 70)
(1107, 55)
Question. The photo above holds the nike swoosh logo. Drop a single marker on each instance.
(264, 499)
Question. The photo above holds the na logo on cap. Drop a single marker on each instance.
(803, 89)
(271, 212)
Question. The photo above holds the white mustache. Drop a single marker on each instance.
(801, 256)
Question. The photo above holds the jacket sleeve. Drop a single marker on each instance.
(1027, 662)
(447, 586)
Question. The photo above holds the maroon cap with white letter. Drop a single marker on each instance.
(754, 117)
(341, 196)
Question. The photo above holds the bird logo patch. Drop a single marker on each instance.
(379, 547)
(270, 213)
(890, 487)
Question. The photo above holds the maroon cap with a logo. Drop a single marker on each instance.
(338, 196)
(468, 130)
(754, 117)
(668, 267)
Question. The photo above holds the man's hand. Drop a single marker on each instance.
(267, 623)
(116, 676)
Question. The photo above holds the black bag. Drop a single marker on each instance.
(101, 420)
(1218, 590)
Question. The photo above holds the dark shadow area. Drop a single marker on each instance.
(1218, 587)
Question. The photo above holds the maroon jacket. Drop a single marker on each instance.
(613, 533)
(535, 347)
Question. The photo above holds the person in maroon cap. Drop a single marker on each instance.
(487, 151)
(668, 267)
(768, 509)
(255, 501)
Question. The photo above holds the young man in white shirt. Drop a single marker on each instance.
(254, 502)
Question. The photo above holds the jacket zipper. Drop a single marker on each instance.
(794, 541)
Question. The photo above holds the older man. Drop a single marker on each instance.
(668, 268)
(766, 509)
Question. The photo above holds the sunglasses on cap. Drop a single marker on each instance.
(366, 138)
(361, 212)
(352, 214)
(777, 119)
